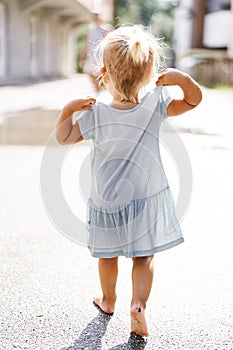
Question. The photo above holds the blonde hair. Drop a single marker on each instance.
(130, 55)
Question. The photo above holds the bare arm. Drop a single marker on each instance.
(66, 131)
(191, 90)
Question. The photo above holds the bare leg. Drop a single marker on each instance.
(142, 278)
(108, 271)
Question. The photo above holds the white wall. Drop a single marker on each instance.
(230, 46)
(217, 29)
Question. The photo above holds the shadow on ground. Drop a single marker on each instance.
(135, 342)
(91, 337)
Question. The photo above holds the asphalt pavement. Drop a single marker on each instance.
(48, 281)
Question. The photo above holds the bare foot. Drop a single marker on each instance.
(138, 321)
(105, 306)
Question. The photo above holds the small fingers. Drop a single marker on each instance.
(160, 80)
(162, 75)
(88, 102)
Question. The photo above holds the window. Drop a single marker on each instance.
(218, 5)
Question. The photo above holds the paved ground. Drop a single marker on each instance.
(47, 281)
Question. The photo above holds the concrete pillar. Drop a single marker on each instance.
(71, 58)
(67, 54)
(47, 41)
(2, 41)
(34, 46)
(230, 45)
(182, 36)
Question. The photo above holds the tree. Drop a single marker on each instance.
(158, 14)
(119, 6)
(198, 23)
(146, 10)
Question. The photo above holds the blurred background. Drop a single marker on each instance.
(43, 289)
(45, 41)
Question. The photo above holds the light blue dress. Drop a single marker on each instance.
(130, 211)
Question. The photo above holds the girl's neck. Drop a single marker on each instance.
(118, 104)
(116, 98)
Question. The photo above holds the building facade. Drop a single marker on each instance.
(37, 37)
(203, 40)
(204, 24)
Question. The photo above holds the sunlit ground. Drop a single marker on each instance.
(48, 281)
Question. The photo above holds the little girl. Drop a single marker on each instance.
(131, 210)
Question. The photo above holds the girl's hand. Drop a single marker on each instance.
(66, 132)
(171, 76)
(80, 104)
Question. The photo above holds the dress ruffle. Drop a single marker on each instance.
(139, 228)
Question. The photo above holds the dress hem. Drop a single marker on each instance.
(140, 253)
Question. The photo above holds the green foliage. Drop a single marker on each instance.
(146, 11)
(158, 14)
(81, 33)
(162, 26)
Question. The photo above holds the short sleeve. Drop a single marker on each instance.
(86, 122)
(164, 102)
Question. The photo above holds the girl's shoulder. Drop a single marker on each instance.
(148, 96)
(153, 98)
(157, 99)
